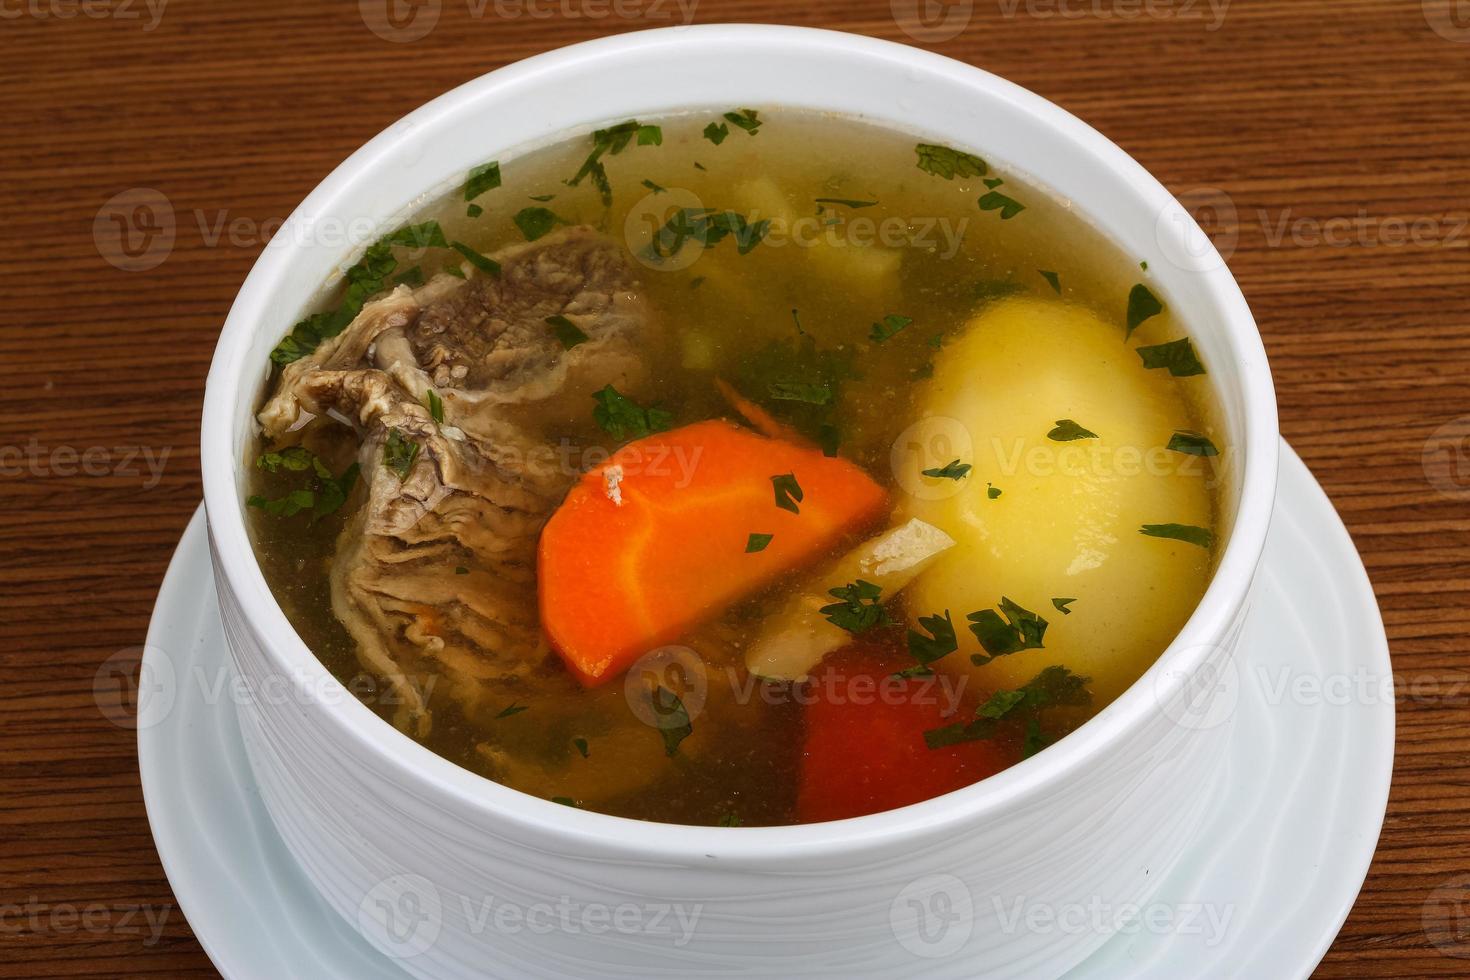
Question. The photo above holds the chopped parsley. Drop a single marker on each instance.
(1142, 305)
(364, 278)
(1053, 687)
(543, 198)
(1020, 630)
(859, 607)
(708, 228)
(611, 142)
(888, 326)
(992, 491)
(653, 187)
(485, 177)
(484, 263)
(1188, 533)
(844, 202)
(1177, 356)
(536, 222)
(428, 234)
(410, 277)
(399, 453)
(1062, 604)
(716, 132)
(745, 119)
(566, 331)
(757, 542)
(325, 495)
(799, 383)
(788, 492)
(994, 200)
(674, 724)
(582, 747)
(730, 820)
(953, 470)
(623, 418)
(435, 405)
(566, 801)
(1069, 431)
(943, 161)
(461, 570)
(940, 642)
(1054, 279)
(474, 211)
(1192, 444)
(513, 709)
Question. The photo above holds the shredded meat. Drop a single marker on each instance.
(483, 482)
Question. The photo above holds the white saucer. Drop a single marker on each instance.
(1297, 820)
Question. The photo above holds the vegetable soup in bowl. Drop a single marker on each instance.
(731, 463)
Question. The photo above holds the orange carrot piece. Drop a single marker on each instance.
(759, 419)
(617, 580)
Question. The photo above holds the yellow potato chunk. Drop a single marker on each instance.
(1066, 523)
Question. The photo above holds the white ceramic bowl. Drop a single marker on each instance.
(458, 876)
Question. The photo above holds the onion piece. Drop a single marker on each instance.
(796, 637)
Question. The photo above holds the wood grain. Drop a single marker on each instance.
(1295, 110)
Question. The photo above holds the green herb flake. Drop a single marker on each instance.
(992, 491)
(536, 222)
(1054, 279)
(513, 709)
(1008, 207)
(653, 187)
(730, 820)
(846, 202)
(757, 542)
(411, 277)
(673, 719)
(1020, 630)
(1061, 605)
(1192, 444)
(399, 453)
(716, 133)
(1142, 305)
(289, 505)
(887, 327)
(567, 332)
(745, 119)
(623, 418)
(940, 642)
(953, 470)
(364, 278)
(485, 177)
(943, 161)
(293, 459)
(859, 607)
(1053, 687)
(1177, 356)
(1000, 704)
(543, 198)
(1188, 533)
(474, 211)
(428, 234)
(788, 492)
(461, 570)
(582, 747)
(435, 405)
(650, 136)
(566, 801)
(484, 263)
(705, 227)
(1069, 431)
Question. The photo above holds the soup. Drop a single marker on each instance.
(738, 468)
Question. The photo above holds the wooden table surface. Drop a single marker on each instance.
(1329, 136)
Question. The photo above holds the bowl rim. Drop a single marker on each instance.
(408, 763)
